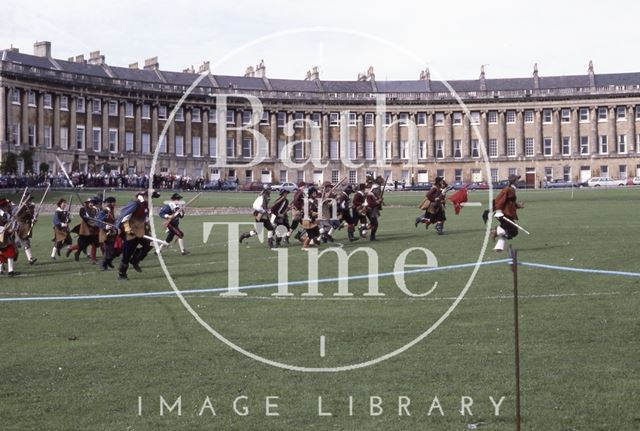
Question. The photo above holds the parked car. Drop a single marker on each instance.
(633, 181)
(458, 185)
(419, 186)
(220, 185)
(505, 183)
(253, 186)
(290, 187)
(557, 184)
(605, 182)
(478, 186)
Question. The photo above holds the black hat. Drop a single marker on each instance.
(110, 200)
(311, 191)
(96, 201)
(438, 179)
(348, 189)
(513, 178)
(176, 197)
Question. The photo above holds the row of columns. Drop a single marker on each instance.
(394, 135)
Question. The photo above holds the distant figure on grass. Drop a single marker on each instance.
(8, 249)
(87, 231)
(110, 240)
(433, 206)
(172, 212)
(61, 235)
(505, 208)
(25, 217)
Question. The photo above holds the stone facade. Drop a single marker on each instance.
(96, 117)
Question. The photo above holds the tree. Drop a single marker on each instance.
(9, 164)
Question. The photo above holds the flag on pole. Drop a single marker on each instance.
(458, 198)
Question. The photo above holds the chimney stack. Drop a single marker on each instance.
(80, 59)
(95, 58)
(133, 65)
(313, 74)
(151, 64)
(204, 67)
(189, 69)
(536, 77)
(249, 72)
(42, 49)
(483, 83)
(261, 70)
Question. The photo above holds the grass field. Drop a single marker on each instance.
(83, 364)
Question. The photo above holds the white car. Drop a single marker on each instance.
(605, 182)
(290, 187)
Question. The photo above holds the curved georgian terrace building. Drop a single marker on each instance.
(97, 116)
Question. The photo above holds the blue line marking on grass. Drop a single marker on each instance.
(249, 287)
(584, 270)
(323, 280)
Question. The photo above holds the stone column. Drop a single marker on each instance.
(412, 138)
(431, 145)
(121, 127)
(612, 132)
(88, 123)
(73, 123)
(188, 150)
(40, 127)
(484, 130)
(465, 149)
(360, 138)
(105, 125)
(502, 134)
(238, 133)
(575, 132)
(395, 136)
(171, 140)
(448, 135)
(325, 136)
(631, 131)
(273, 130)
(520, 133)
(205, 132)
(138, 126)
(594, 130)
(538, 144)
(56, 122)
(154, 127)
(556, 142)
(307, 134)
(24, 118)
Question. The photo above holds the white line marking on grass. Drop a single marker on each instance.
(472, 204)
(322, 346)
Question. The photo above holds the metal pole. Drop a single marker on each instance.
(514, 268)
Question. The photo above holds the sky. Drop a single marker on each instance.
(343, 38)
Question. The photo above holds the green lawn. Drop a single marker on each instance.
(82, 364)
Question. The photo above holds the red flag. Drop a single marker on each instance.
(458, 198)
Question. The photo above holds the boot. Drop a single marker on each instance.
(419, 220)
(244, 235)
(298, 235)
(122, 272)
(271, 243)
(440, 228)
